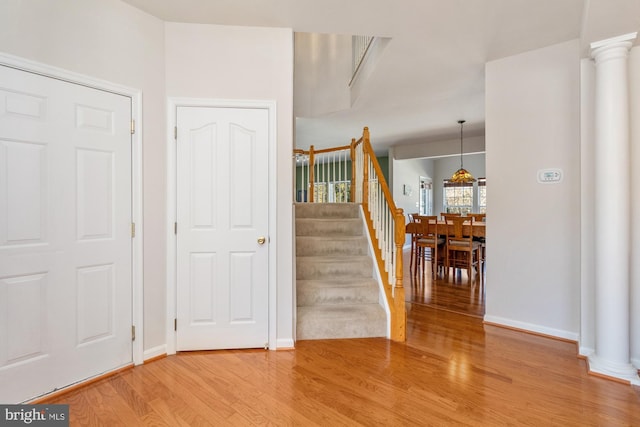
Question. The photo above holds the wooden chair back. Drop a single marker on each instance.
(420, 218)
(455, 229)
(478, 217)
(445, 215)
(429, 225)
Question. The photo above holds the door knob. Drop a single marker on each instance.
(261, 240)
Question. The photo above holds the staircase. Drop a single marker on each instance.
(337, 295)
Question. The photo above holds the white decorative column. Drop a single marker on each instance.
(612, 210)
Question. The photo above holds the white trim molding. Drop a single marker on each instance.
(538, 329)
(155, 352)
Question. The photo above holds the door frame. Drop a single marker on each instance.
(172, 105)
(137, 274)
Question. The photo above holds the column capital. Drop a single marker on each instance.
(620, 43)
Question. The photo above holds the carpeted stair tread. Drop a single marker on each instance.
(327, 210)
(326, 227)
(328, 245)
(327, 267)
(320, 292)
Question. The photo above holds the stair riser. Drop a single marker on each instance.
(313, 269)
(308, 329)
(327, 210)
(310, 227)
(311, 246)
(337, 295)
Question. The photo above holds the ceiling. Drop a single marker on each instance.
(431, 73)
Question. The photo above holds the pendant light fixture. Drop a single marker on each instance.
(462, 176)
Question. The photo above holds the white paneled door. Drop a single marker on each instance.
(222, 238)
(65, 241)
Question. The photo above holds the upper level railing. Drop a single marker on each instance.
(352, 173)
(359, 47)
(323, 176)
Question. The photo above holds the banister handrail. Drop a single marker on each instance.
(388, 250)
(385, 222)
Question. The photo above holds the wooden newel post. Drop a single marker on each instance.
(398, 292)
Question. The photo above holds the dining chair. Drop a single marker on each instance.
(445, 215)
(413, 229)
(480, 217)
(461, 251)
(431, 241)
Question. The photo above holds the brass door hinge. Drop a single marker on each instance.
(133, 333)
(133, 229)
(133, 126)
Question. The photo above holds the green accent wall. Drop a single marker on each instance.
(382, 161)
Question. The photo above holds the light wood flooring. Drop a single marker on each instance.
(454, 293)
(452, 370)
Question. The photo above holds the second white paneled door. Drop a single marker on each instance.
(222, 238)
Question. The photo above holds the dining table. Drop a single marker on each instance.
(478, 230)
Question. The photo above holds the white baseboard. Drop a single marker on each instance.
(285, 344)
(160, 350)
(586, 351)
(567, 335)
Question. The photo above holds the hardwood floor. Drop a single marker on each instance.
(453, 370)
(452, 294)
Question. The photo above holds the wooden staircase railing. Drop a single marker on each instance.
(361, 181)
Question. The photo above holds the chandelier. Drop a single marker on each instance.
(462, 176)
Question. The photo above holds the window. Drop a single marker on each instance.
(425, 202)
(340, 191)
(458, 197)
(482, 195)
(320, 192)
(332, 192)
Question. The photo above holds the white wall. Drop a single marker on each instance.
(109, 40)
(533, 252)
(225, 62)
(408, 172)
(322, 69)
